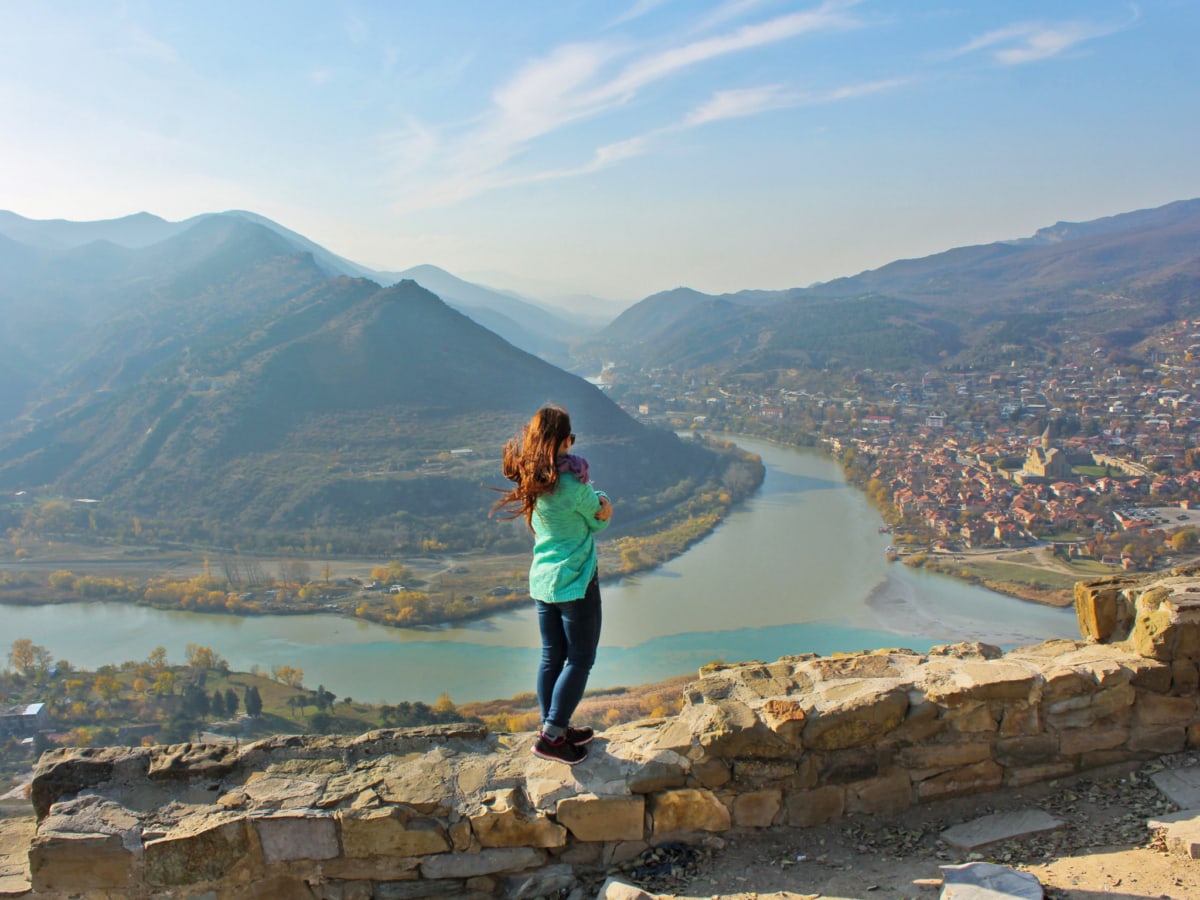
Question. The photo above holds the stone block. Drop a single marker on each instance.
(1153, 709)
(687, 809)
(506, 820)
(592, 818)
(846, 766)
(582, 853)
(616, 889)
(389, 831)
(953, 682)
(921, 722)
(1103, 611)
(888, 793)
(61, 864)
(861, 718)
(1157, 740)
(205, 848)
(392, 868)
(929, 759)
(806, 808)
(1149, 674)
(1020, 719)
(1001, 826)
(712, 773)
(977, 880)
(63, 772)
(1062, 682)
(785, 717)
(486, 862)
(1027, 750)
(971, 718)
(973, 779)
(667, 770)
(273, 887)
(728, 729)
(460, 835)
(1185, 677)
(761, 771)
(757, 809)
(296, 835)
(1074, 741)
(1152, 635)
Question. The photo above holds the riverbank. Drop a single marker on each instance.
(446, 590)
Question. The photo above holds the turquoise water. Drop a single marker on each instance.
(798, 568)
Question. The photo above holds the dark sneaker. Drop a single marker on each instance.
(579, 736)
(561, 751)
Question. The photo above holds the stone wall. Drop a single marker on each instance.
(456, 811)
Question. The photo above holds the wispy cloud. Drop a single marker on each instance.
(733, 104)
(580, 81)
(1028, 42)
(636, 11)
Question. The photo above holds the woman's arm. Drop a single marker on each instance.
(594, 506)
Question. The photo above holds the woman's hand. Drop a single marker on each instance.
(605, 511)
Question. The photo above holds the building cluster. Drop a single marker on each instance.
(973, 457)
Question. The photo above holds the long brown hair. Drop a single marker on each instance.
(530, 462)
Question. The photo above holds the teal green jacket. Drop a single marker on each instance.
(564, 551)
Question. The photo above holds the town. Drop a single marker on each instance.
(1090, 458)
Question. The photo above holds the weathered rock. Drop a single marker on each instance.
(982, 881)
(1102, 609)
(66, 863)
(485, 862)
(591, 818)
(202, 848)
(688, 809)
(296, 835)
(757, 809)
(974, 779)
(856, 715)
(389, 831)
(505, 820)
(890, 792)
(815, 807)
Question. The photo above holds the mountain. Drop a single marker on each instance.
(139, 230)
(1110, 281)
(58, 261)
(246, 393)
(523, 324)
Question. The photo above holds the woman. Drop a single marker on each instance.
(552, 491)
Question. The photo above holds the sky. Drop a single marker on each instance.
(612, 149)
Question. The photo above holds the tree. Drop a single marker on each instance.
(1184, 539)
(231, 702)
(290, 675)
(203, 658)
(158, 658)
(28, 658)
(253, 702)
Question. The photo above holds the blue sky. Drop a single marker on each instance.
(607, 148)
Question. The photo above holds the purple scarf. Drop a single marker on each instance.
(576, 465)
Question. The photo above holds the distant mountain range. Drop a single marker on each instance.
(1109, 281)
(222, 375)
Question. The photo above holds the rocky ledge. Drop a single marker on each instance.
(457, 811)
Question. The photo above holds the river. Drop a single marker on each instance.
(798, 568)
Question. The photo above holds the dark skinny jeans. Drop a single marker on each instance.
(570, 636)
